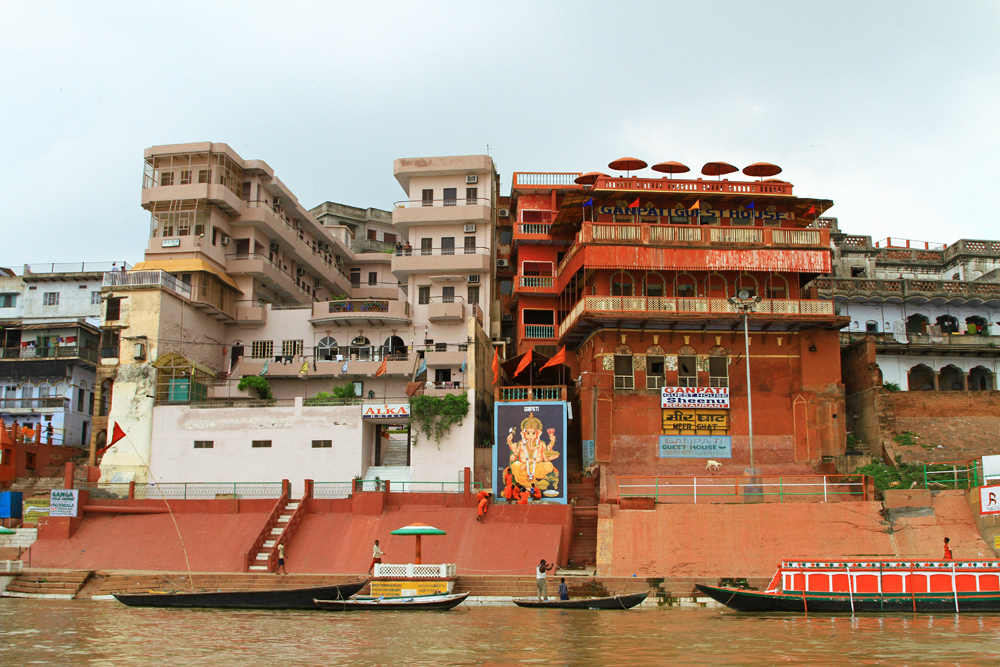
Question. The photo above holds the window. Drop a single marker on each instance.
(95, 298)
(389, 238)
(355, 277)
(686, 288)
(203, 175)
(317, 444)
(90, 403)
(424, 295)
(718, 371)
(260, 443)
(262, 349)
(372, 235)
(186, 177)
(505, 286)
(326, 349)
(871, 326)
(291, 348)
(373, 277)
(426, 246)
(470, 245)
(440, 347)
(654, 372)
(506, 236)
(114, 309)
(623, 371)
(204, 444)
(687, 372)
(50, 299)
(26, 393)
(473, 294)
(167, 178)
(80, 392)
(621, 284)
(448, 294)
(428, 198)
(44, 390)
(448, 245)
(8, 300)
(471, 196)
(450, 196)
(857, 272)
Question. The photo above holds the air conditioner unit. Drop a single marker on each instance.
(503, 263)
(277, 201)
(300, 272)
(274, 246)
(140, 351)
(226, 240)
(503, 213)
(469, 229)
(506, 317)
(474, 278)
(472, 179)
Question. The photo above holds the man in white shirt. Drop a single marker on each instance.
(376, 557)
(540, 574)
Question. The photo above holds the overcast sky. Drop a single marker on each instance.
(890, 109)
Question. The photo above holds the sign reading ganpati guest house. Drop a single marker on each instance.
(695, 447)
(694, 397)
(388, 411)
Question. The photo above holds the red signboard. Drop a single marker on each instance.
(644, 257)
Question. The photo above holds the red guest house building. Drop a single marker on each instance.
(634, 276)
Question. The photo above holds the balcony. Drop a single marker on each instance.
(916, 291)
(529, 180)
(441, 212)
(701, 235)
(442, 260)
(541, 393)
(151, 279)
(535, 285)
(249, 312)
(88, 354)
(952, 345)
(439, 389)
(272, 276)
(446, 311)
(536, 331)
(365, 312)
(668, 185)
(26, 406)
(218, 195)
(398, 365)
(695, 311)
(445, 359)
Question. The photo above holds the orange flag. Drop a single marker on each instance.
(496, 367)
(559, 358)
(116, 434)
(697, 206)
(524, 363)
(381, 369)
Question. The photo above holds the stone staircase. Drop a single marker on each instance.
(30, 486)
(260, 563)
(393, 454)
(54, 584)
(392, 473)
(583, 550)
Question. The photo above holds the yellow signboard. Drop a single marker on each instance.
(996, 541)
(34, 509)
(399, 588)
(696, 422)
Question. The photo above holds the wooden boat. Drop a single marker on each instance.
(613, 602)
(277, 598)
(872, 586)
(403, 603)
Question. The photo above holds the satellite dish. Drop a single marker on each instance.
(744, 294)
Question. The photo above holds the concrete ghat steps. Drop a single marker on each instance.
(48, 582)
(391, 473)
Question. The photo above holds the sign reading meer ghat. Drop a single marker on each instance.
(695, 422)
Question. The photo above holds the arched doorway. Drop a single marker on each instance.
(394, 348)
(977, 325)
(920, 378)
(981, 379)
(361, 348)
(917, 324)
(327, 349)
(951, 378)
(948, 323)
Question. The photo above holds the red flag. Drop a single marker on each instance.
(812, 209)
(559, 358)
(496, 367)
(524, 363)
(381, 369)
(116, 434)
(634, 204)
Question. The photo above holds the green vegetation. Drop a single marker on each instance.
(435, 416)
(916, 475)
(853, 442)
(890, 387)
(257, 384)
(906, 438)
(339, 395)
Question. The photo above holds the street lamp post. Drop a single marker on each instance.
(746, 304)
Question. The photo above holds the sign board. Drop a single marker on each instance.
(388, 411)
(401, 588)
(696, 447)
(694, 397)
(35, 508)
(588, 453)
(695, 422)
(64, 502)
(170, 243)
(996, 541)
(531, 439)
(991, 467)
(989, 500)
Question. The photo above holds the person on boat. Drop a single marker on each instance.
(540, 573)
(281, 559)
(563, 589)
(947, 549)
(376, 557)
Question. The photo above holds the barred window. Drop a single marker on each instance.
(50, 299)
(291, 348)
(654, 372)
(260, 443)
(262, 349)
(687, 372)
(317, 444)
(204, 444)
(623, 371)
(718, 371)
(424, 295)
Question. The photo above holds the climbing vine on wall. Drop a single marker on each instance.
(434, 416)
(256, 384)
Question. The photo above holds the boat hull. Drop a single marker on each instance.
(793, 601)
(286, 598)
(415, 603)
(613, 602)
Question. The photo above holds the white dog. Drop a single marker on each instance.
(713, 465)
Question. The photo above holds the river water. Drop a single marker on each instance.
(46, 632)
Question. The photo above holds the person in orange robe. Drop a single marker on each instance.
(947, 549)
(522, 495)
(484, 503)
(508, 489)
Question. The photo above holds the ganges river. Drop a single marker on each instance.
(45, 632)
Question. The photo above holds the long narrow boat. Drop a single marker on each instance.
(405, 603)
(872, 586)
(613, 602)
(277, 598)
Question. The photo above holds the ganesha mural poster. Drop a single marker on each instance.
(531, 440)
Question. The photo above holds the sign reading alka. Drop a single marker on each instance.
(696, 422)
(386, 411)
(694, 397)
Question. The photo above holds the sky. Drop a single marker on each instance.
(890, 109)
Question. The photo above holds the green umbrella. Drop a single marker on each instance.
(418, 529)
(6, 531)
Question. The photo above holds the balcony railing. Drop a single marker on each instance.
(154, 278)
(458, 201)
(666, 184)
(524, 179)
(52, 352)
(75, 267)
(651, 234)
(51, 402)
(743, 489)
(640, 305)
(537, 282)
(533, 228)
(533, 393)
(907, 286)
(539, 331)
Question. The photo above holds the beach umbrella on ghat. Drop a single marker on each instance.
(589, 178)
(7, 531)
(628, 164)
(718, 169)
(419, 530)
(671, 167)
(762, 170)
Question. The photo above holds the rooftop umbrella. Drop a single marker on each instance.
(718, 168)
(671, 168)
(589, 178)
(762, 169)
(628, 164)
(418, 529)
(7, 531)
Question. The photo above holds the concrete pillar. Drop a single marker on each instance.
(68, 481)
(937, 380)
(965, 381)
(467, 482)
(993, 380)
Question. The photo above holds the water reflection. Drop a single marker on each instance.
(105, 633)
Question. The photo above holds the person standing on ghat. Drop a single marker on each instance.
(376, 557)
(540, 573)
(281, 559)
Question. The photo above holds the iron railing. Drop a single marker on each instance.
(953, 474)
(185, 490)
(744, 488)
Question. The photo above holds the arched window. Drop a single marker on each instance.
(686, 286)
(656, 285)
(106, 388)
(871, 326)
(981, 379)
(27, 392)
(951, 378)
(327, 349)
(394, 348)
(622, 284)
(717, 286)
(916, 324)
(977, 325)
(745, 281)
(920, 378)
(777, 287)
(948, 323)
(361, 349)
